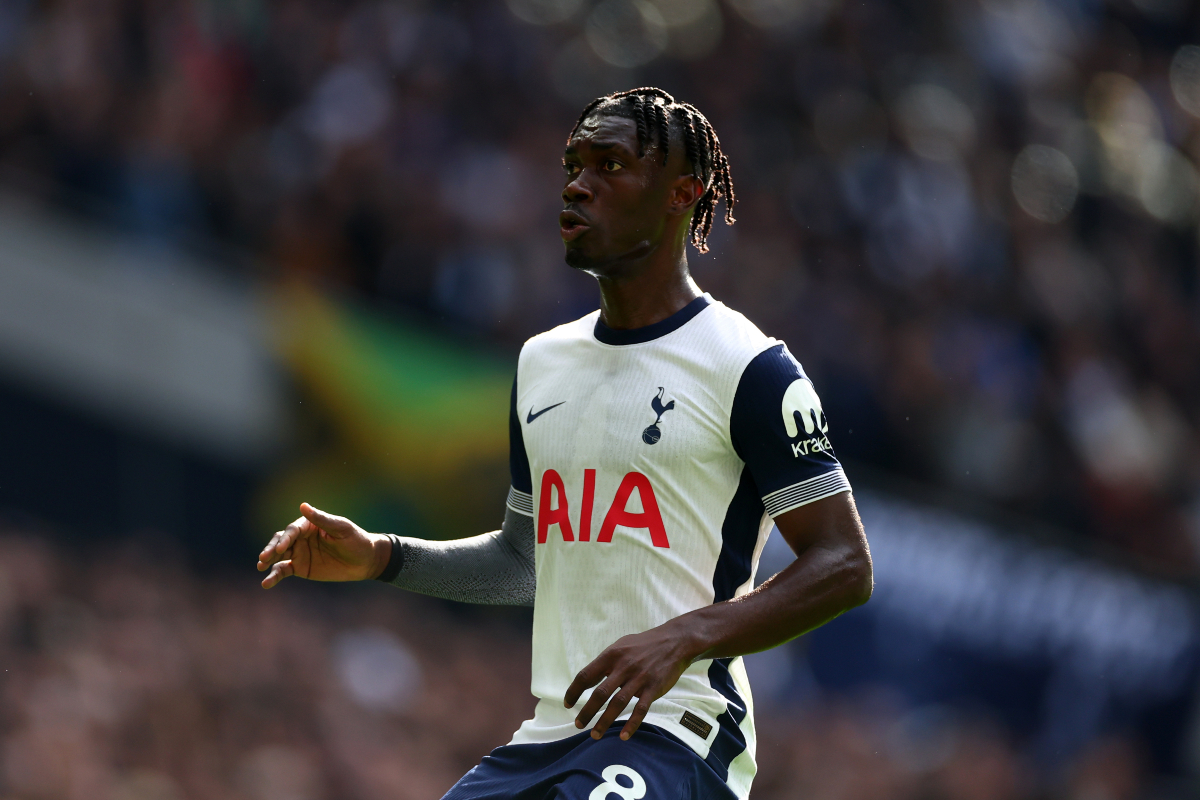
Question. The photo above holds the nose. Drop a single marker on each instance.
(577, 191)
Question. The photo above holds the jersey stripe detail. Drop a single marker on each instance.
(739, 539)
(518, 459)
(739, 536)
(520, 502)
(730, 741)
(804, 492)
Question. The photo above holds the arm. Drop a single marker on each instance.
(831, 575)
(494, 568)
(777, 427)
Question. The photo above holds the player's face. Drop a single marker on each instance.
(614, 203)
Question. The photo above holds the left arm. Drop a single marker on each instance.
(831, 575)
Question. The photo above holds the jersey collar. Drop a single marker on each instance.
(661, 328)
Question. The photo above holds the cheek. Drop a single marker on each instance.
(643, 221)
(636, 212)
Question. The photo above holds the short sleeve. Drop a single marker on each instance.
(779, 429)
(520, 492)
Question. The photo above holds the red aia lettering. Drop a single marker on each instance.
(648, 518)
(589, 499)
(548, 516)
(618, 513)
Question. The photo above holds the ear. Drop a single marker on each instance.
(686, 191)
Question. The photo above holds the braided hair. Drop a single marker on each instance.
(654, 112)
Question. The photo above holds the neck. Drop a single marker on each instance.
(643, 297)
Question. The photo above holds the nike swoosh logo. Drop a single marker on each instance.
(530, 417)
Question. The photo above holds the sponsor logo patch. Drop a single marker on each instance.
(696, 725)
(802, 397)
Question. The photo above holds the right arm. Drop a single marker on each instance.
(495, 568)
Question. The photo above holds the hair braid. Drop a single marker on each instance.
(701, 222)
(706, 130)
(701, 148)
(639, 119)
(727, 190)
(646, 115)
(654, 111)
(664, 131)
(650, 92)
(689, 140)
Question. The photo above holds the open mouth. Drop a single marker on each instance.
(571, 226)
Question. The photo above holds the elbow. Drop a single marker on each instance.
(859, 578)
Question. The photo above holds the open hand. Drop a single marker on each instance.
(322, 547)
(642, 665)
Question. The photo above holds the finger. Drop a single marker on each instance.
(281, 570)
(588, 677)
(270, 546)
(635, 719)
(298, 529)
(283, 540)
(280, 546)
(599, 697)
(334, 526)
(273, 552)
(266, 557)
(615, 706)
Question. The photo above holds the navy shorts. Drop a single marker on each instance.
(653, 764)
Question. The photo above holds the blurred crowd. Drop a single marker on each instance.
(974, 222)
(128, 678)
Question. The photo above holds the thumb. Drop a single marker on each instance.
(334, 526)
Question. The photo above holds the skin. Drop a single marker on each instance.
(323, 547)
(637, 212)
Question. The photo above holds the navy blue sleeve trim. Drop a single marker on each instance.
(651, 332)
(518, 461)
(395, 561)
(779, 429)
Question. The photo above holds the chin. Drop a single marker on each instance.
(598, 265)
(577, 259)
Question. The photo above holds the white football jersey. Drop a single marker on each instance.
(652, 461)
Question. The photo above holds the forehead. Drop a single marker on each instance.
(605, 129)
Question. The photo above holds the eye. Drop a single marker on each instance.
(570, 168)
(612, 166)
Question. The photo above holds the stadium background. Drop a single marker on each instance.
(256, 252)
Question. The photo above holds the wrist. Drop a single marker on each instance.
(693, 633)
(381, 554)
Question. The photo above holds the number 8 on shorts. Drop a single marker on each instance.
(610, 785)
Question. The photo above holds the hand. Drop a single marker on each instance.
(642, 665)
(322, 547)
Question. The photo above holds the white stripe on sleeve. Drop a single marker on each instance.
(520, 502)
(802, 493)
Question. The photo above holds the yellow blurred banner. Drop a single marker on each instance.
(421, 415)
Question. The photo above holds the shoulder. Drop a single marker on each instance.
(731, 341)
(775, 382)
(774, 365)
(764, 359)
(575, 329)
(561, 338)
(738, 334)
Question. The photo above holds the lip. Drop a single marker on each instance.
(572, 225)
